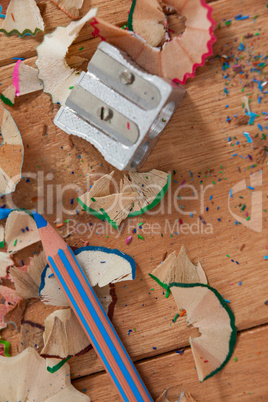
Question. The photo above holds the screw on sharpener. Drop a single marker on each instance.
(126, 77)
(105, 113)
(119, 108)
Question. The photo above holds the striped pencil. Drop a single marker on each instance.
(91, 315)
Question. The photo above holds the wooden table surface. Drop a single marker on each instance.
(200, 148)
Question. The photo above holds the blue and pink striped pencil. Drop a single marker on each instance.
(91, 315)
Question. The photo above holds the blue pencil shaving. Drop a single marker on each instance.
(241, 17)
(248, 137)
(252, 116)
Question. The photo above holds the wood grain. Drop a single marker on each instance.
(194, 146)
(242, 379)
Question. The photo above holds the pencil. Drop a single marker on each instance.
(91, 315)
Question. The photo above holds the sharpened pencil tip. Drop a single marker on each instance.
(39, 220)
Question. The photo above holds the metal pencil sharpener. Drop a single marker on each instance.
(119, 108)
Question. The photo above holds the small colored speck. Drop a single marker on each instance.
(128, 239)
(175, 318)
(240, 17)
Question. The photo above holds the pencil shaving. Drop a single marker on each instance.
(25, 81)
(58, 78)
(11, 153)
(31, 336)
(101, 267)
(138, 193)
(27, 282)
(63, 335)
(178, 58)
(205, 308)
(184, 397)
(70, 7)
(150, 187)
(22, 18)
(178, 269)
(149, 21)
(101, 203)
(114, 208)
(9, 95)
(207, 311)
(12, 307)
(34, 382)
(21, 231)
(5, 262)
